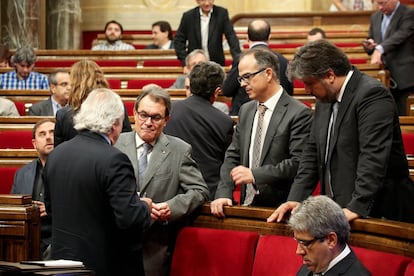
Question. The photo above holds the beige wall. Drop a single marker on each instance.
(139, 14)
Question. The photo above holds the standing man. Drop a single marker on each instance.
(23, 76)
(29, 178)
(267, 143)
(322, 232)
(355, 147)
(113, 35)
(166, 172)
(59, 84)
(90, 192)
(258, 34)
(162, 36)
(391, 42)
(197, 122)
(203, 28)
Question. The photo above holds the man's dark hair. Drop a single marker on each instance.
(39, 123)
(52, 76)
(205, 78)
(315, 31)
(258, 30)
(164, 27)
(114, 22)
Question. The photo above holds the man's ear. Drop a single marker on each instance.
(215, 95)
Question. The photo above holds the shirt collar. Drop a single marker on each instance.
(338, 258)
(166, 46)
(272, 101)
(202, 14)
(341, 92)
(258, 43)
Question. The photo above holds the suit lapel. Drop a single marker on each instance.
(392, 26)
(131, 151)
(248, 122)
(324, 110)
(212, 25)
(197, 26)
(159, 153)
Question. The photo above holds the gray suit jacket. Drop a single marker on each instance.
(173, 177)
(287, 131)
(43, 108)
(398, 44)
(24, 179)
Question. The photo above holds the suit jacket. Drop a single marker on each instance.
(287, 131)
(172, 176)
(97, 215)
(23, 183)
(207, 129)
(348, 266)
(189, 31)
(43, 108)
(369, 170)
(64, 126)
(231, 86)
(398, 44)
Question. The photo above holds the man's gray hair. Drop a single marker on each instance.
(24, 54)
(101, 109)
(320, 215)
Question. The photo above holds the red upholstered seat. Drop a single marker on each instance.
(162, 62)
(55, 63)
(382, 263)
(348, 44)
(284, 45)
(16, 139)
(116, 63)
(298, 84)
(213, 252)
(138, 84)
(410, 269)
(408, 140)
(114, 83)
(358, 60)
(129, 107)
(277, 254)
(21, 107)
(139, 46)
(7, 178)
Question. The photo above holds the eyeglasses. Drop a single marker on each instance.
(63, 84)
(247, 77)
(308, 243)
(143, 116)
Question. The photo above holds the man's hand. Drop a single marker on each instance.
(216, 206)
(41, 206)
(242, 175)
(148, 201)
(376, 57)
(160, 211)
(350, 216)
(279, 214)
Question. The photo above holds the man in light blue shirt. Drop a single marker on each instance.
(23, 76)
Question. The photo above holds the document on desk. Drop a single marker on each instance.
(54, 263)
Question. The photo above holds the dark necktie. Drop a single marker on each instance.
(328, 185)
(143, 162)
(257, 148)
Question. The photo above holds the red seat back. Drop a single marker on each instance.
(210, 252)
(6, 179)
(21, 107)
(276, 253)
(138, 84)
(116, 63)
(410, 269)
(129, 105)
(114, 83)
(382, 263)
(408, 140)
(16, 139)
(162, 62)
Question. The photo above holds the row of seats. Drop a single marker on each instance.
(231, 252)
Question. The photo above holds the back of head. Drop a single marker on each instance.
(157, 94)
(258, 30)
(85, 75)
(315, 31)
(318, 216)
(24, 54)
(100, 110)
(316, 58)
(164, 27)
(205, 78)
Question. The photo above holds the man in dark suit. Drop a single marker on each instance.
(322, 231)
(391, 42)
(203, 28)
(59, 85)
(258, 34)
(162, 35)
(90, 192)
(267, 143)
(171, 177)
(358, 157)
(199, 123)
(28, 179)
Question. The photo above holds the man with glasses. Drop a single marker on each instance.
(267, 143)
(59, 84)
(391, 42)
(166, 172)
(322, 231)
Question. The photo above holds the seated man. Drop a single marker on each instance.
(23, 76)
(28, 179)
(191, 59)
(113, 35)
(8, 108)
(59, 84)
(322, 231)
(162, 36)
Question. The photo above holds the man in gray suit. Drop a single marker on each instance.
(285, 127)
(28, 179)
(59, 84)
(391, 42)
(171, 178)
